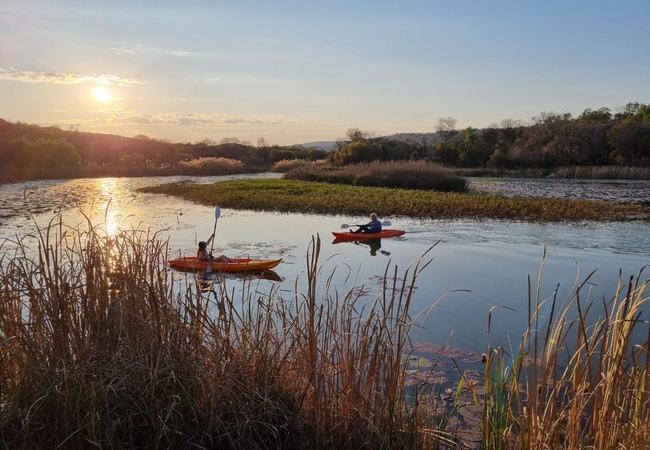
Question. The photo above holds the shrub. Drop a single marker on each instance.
(212, 166)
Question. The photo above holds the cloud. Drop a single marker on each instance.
(241, 80)
(212, 79)
(117, 117)
(26, 76)
(131, 49)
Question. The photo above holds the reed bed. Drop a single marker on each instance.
(287, 165)
(100, 346)
(603, 172)
(576, 381)
(211, 166)
(391, 174)
(326, 198)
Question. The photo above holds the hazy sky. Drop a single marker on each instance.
(300, 71)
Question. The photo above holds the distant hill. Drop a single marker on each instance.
(321, 145)
(429, 138)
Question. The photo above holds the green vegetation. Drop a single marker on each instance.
(394, 174)
(101, 347)
(551, 142)
(326, 198)
(33, 152)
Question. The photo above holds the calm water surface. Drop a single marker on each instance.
(475, 265)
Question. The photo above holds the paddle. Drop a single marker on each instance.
(217, 214)
(385, 223)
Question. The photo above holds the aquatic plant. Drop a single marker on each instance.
(327, 198)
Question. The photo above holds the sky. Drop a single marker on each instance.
(293, 72)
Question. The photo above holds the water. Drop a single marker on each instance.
(475, 265)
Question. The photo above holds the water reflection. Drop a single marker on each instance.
(476, 266)
(373, 244)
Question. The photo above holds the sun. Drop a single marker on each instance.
(102, 94)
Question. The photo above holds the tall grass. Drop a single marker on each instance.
(287, 165)
(393, 174)
(211, 166)
(101, 347)
(577, 381)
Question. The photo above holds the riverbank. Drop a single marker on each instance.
(323, 198)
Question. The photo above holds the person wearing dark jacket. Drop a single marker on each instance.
(374, 226)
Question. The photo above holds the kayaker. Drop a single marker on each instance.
(374, 226)
(202, 253)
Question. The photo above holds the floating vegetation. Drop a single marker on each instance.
(324, 198)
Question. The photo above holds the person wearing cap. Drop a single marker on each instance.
(202, 253)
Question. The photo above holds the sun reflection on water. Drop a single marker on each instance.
(110, 209)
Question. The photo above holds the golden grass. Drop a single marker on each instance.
(577, 381)
(101, 347)
(390, 174)
(211, 166)
(326, 198)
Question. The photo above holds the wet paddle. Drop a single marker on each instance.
(385, 223)
(217, 214)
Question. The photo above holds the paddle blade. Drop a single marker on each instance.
(217, 212)
(344, 226)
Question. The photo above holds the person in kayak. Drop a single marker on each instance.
(202, 253)
(374, 226)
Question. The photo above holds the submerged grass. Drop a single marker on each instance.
(101, 347)
(326, 198)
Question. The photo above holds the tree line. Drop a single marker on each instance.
(594, 138)
(32, 151)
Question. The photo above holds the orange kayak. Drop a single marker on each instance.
(347, 236)
(235, 265)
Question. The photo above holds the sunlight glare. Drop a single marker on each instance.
(102, 94)
(112, 212)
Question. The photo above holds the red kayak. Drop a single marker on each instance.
(348, 236)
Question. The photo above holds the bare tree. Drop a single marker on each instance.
(261, 142)
(446, 128)
(230, 140)
(355, 134)
(208, 141)
(510, 123)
